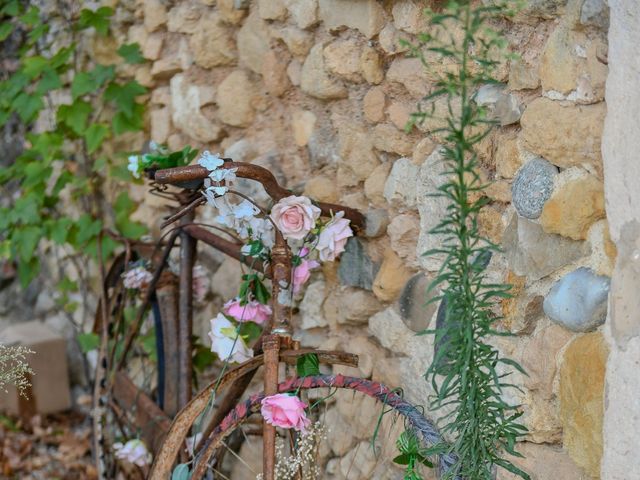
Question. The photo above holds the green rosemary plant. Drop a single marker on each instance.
(468, 375)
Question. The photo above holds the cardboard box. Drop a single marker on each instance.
(50, 385)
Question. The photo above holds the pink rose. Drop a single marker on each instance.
(333, 238)
(302, 272)
(251, 312)
(295, 216)
(286, 411)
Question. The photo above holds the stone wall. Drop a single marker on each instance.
(319, 91)
(620, 146)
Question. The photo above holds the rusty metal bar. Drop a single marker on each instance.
(227, 247)
(254, 172)
(168, 305)
(135, 327)
(271, 347)
(185, 312)
(152, 422)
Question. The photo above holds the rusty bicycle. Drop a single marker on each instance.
(168, 413)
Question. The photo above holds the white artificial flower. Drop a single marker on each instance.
(134, 451)
(134, 165)
(136, 278)
(210, 161)
(245, 210)
(224, 174)
(226, 342)
(262, 229)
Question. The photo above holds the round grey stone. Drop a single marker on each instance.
(532, 187)
(578, 301)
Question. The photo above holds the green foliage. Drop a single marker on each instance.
(412, 454)
(60, 169)
(467, 373)
(88, 341)
(308, 365)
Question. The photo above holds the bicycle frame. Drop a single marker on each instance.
(276, 337)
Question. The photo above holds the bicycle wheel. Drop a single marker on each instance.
(351, 468)
(128, 400)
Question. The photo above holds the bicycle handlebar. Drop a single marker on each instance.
(180, 175)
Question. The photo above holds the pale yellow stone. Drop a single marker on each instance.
(160, 120)
(229, 13)
(388, 138)
(576, 203)
(371, 66)
(507, 157)
(322, 189)
(212, 43)
(490, 223)
(422, 150)
(274, 72)
(155, 14)
(302, 123)
(565, 135)
(373, 105)
(582, 400)
(316, 81)
(500, 191)
(399, 114)
(234, 98)
(272, 9)
(374, 184)
(342, 58)
(391, 277)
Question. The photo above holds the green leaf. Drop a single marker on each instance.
(33, 66)
(308, 365)
(402, 459)
(123, 208)
(26, 240)
(85, 229)
(5, 30)
(181, 472)
(122, 123)
(11, 8)
(82, 84)
(75, 116)
(88, 341)
(59, 230)
(131, 53)
(95, 135)
(27, 106)
(98, 19)
(28, 270)
(202, 358)
(124, 96)
(103, 73)
(32, 17)
(50, 81)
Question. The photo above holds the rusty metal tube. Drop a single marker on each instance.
(271, 346)
(253, 172)
(185, 312)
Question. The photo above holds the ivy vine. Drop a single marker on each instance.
(468, 374)
(69, 106)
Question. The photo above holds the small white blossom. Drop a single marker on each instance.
(134, 451)
(210, 161)
(226, 342)
(136, 278)
(134, 165)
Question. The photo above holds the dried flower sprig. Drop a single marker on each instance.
(14, 369)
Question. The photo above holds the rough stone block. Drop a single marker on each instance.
(578, 301)
(50, 384)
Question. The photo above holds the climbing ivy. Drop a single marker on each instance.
(68, 105)
(468, 374)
